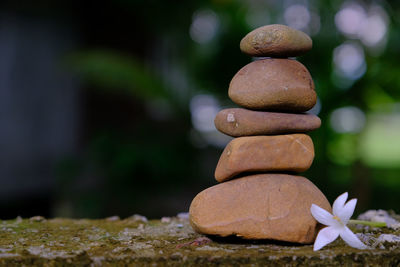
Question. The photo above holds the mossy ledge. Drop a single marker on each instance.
(170, 242)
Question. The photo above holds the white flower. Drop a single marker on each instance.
(336, 223)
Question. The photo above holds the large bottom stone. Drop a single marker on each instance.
(264, 206)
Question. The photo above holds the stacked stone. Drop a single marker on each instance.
(258, 196)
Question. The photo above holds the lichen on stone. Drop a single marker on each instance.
(141, 242)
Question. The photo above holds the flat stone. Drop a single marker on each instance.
(276, 153)
(243, 122)
(127, 242)
(273, 85)
(275, 41)
(263, 206)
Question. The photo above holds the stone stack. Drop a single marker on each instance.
(259, 197)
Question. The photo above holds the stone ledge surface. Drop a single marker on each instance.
(135, 241)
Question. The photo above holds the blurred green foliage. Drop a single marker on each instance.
(109, 70)
(149, 163)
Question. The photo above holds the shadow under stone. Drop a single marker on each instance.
(244, 174)
(237, 241)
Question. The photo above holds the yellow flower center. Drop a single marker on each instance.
(337, 218)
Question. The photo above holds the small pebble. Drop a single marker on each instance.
(137, 217)
(183, 215)
(113, 218)
(176, 256)
(37, 219)
(166, 219)
(380, 216)
(389, 238)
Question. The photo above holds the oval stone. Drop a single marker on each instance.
(291, 152)
(243, 122)
(263, 206)
(275, 41)
(273, 85)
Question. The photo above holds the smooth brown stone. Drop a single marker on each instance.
(243, 122)
(291, 152)
(275, 41)
(264, 206)
(273, 85)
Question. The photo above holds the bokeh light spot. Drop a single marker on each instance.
(203, 109)
(297, 17)
(375, 27)
(347, 120)
(204, 26)
(349, 61)
(350, 19)
(368, 25)
(380, 143)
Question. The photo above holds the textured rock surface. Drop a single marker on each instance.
(243, 122)
(291, 152)
(275, 41)
(263, 206)
(273, 85)
(168, 242)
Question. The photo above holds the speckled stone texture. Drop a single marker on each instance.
(243, 122)
(136, 241)
(275, 85)
(275, 41)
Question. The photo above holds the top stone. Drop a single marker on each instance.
(275, 41)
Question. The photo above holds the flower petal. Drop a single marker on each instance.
(325, 236)
(348, 209)
(351, 239)
(321, 215)
(338, 204)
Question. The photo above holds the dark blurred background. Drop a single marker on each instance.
(107, 107)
